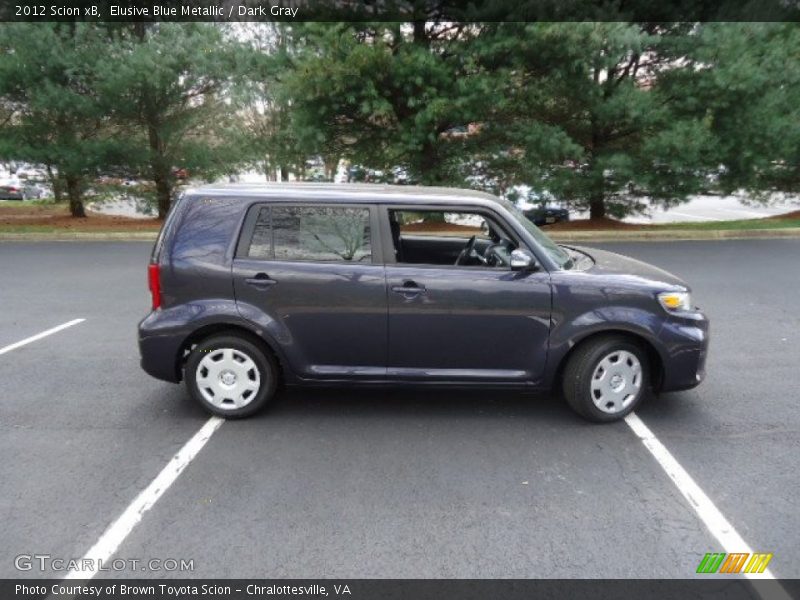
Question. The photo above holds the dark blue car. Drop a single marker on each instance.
(383, 285)
(547, 215)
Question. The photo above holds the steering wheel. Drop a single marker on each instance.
(492, 256)
(465, 254)
(496, 254)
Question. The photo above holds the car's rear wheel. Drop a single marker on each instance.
(606, 378)
(231, 376)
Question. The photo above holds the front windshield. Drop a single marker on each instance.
(554, 251)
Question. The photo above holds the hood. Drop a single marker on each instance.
(612, 263)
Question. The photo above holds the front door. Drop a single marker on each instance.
(473, 321)
(306, 274)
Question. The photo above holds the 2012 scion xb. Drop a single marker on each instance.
(382, 285)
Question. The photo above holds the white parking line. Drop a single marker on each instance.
(39, 336)
(711, 516)
(116, 533)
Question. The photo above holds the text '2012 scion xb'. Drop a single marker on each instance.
(383, 285)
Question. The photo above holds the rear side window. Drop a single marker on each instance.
(311, 233)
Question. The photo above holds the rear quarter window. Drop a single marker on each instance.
(206, 228)
(166, 228)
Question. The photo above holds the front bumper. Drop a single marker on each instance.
(684, 341)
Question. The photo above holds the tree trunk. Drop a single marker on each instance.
(331, 166)
(428, 165)
(284, 174)
(58, 189)
(163, 191)
(55, 182)
(420, 36)
(429, 175)
(597, 203)
(160, 171)
(74, 193)
(597, 206)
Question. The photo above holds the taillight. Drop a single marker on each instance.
(154, 283)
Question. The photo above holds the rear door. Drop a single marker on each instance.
(306, 273)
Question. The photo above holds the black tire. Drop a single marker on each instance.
(267, 367)
(577, 381)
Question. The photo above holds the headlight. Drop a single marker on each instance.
(675, 301)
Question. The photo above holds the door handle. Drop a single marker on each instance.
(409, 288)
(261, 280)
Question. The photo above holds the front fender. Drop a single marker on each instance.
(569, 330)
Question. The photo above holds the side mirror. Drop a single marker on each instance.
(522, 260)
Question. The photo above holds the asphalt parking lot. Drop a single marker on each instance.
(716, 208)
(393, 484)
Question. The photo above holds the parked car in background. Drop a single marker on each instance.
(16, 189)
(36, 190)
(330, 284)
(31, 174)
(547, 215)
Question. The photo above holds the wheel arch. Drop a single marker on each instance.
(654, 359)
(209, 330)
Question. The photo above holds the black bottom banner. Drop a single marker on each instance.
(416, 589)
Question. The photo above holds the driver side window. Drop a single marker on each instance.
(459, 238)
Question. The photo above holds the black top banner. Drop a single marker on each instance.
(401, 10)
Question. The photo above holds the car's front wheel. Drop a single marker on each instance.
(230, 376)
(606, 378)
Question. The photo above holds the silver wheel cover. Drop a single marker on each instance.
(227, 378)
(616, 381)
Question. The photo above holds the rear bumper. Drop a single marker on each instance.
(158, 348)
(685, 343)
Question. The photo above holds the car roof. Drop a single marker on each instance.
(345, 192)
